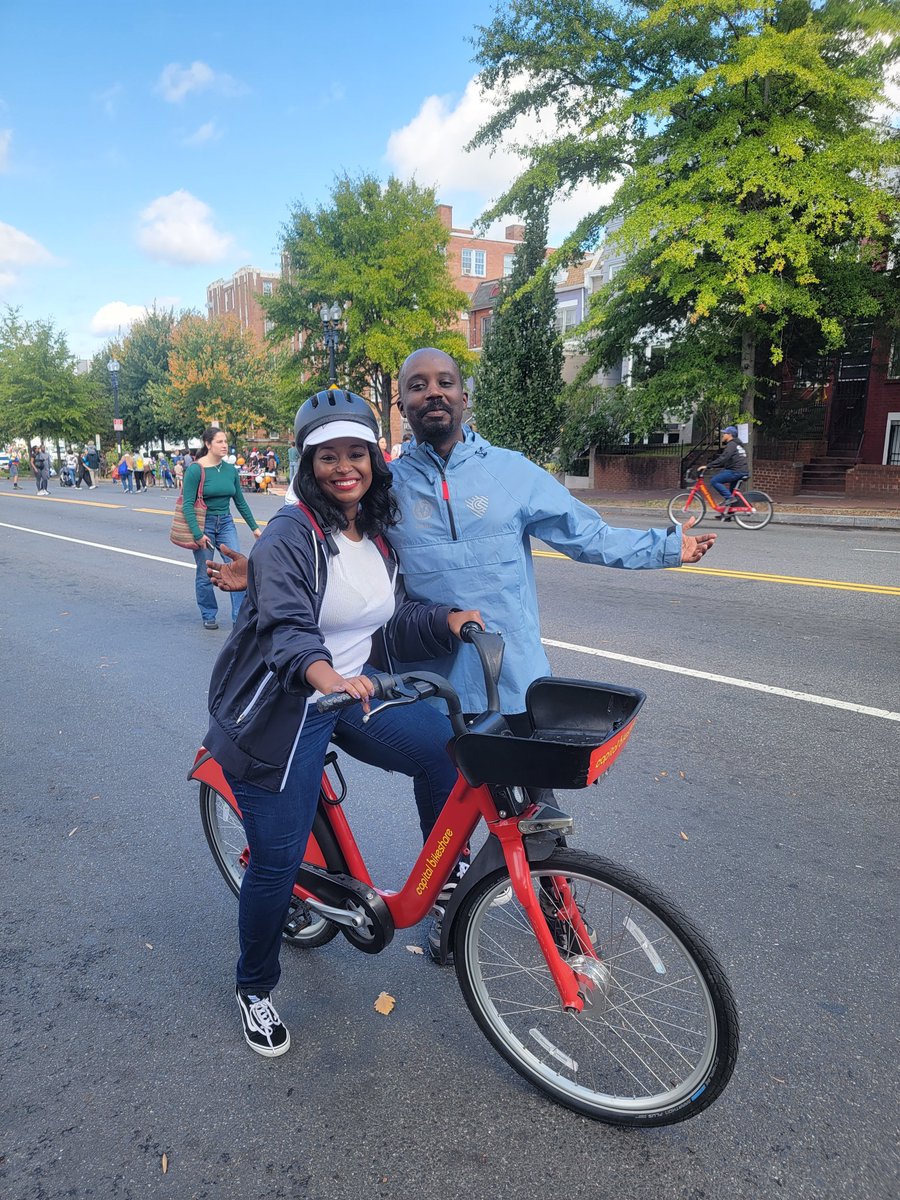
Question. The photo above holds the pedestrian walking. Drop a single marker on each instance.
(40, 465)
(220, 485)
(126, 471)
(14, 469)
(138, 466)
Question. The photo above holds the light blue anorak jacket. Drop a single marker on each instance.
(464, 539)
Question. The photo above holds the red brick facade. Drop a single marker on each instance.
(871, 480)
(779, 479)
(239, 297)
(636, 472)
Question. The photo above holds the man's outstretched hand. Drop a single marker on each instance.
(230, 576)
(692, 548)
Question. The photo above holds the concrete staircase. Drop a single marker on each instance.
(826, 476)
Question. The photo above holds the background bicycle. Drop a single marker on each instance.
(751, 509)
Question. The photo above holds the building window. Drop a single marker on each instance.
(474, 262)
(270, 325)
(229, 300)
(267, 287)
(566, 318)
(485, 326)
(509, 261)
(893, 371)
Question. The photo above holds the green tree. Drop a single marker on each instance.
(216, 373)
(40, 394)
(519, 375)
(380, 251)
(754, 199)
(143, 357)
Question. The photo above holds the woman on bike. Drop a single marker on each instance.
(220, 484)
(324, 607)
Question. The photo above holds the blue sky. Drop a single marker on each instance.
(146, 150)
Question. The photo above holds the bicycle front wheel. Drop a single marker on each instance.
(657, 1039)
(762, 511)
(684, 506)
(224, 831)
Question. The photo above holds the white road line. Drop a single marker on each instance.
(173, 562)
(865, 709)
(871, 550)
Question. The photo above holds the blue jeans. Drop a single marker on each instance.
(277, 824)
(724, 481)
(127, 481)
(221, 532)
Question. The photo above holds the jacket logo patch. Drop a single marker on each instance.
(422, 510)
(478, 505)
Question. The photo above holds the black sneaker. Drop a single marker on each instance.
(440, 907)
(263, 1030)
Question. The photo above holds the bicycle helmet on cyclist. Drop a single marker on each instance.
(347, 414)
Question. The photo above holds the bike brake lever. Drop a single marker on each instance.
(422, 689)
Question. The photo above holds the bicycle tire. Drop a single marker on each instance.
(763, 514)
(680, 511)
(224, 832)
(633, 1056)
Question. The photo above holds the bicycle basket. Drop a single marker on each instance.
(578, 731)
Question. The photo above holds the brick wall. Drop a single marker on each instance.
(777, 478)
(872, 480)
(632, 472)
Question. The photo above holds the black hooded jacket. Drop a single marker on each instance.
(258, 690)
(732, 457)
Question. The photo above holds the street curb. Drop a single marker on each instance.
(826, 520)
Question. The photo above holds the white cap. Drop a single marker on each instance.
(332, 430)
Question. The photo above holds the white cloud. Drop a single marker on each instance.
(18, 250)
(5, 140)
(432, 148)
(179, 229)
(206, 133)
(115, 316)
(177, 81)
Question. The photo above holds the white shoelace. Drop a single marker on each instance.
(264, 1017)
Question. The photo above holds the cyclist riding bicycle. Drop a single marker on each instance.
(324, 608)
(733, 460)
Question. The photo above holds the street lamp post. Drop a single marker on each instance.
(113, 367)
(331, 319)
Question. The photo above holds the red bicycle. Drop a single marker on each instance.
(751, 510)
(588, 981)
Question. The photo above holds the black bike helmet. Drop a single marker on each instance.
(332, 405)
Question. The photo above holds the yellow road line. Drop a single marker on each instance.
(65, 500)
(833, 584)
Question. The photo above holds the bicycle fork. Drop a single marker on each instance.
(568, 984)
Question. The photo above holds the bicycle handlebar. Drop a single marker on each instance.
(423, 684)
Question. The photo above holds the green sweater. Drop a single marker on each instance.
(221, 485)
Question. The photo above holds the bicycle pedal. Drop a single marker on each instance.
(297, 921)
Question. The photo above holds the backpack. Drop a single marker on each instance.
(123, 470)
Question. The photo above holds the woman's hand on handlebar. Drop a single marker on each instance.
(323, 677)
(456, 620)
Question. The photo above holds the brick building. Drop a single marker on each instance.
(238, 297)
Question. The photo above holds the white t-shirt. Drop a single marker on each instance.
(358, 600)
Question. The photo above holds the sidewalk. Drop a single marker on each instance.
(842, 512)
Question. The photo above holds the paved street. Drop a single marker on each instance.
(770, 815)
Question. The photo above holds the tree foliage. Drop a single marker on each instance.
(756, 186)
(379, 250)
(143, 357)
(40, 394)
(217, 374)
(519, 375)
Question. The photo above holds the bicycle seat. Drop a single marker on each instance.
(578, 730)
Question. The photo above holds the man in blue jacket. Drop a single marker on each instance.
(469, 511)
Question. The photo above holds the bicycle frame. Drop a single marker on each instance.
(702, 487)
(460, 816)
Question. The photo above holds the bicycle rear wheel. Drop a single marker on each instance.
(657, 1039)
(684, 506)
(762, 511)
(224, 831)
